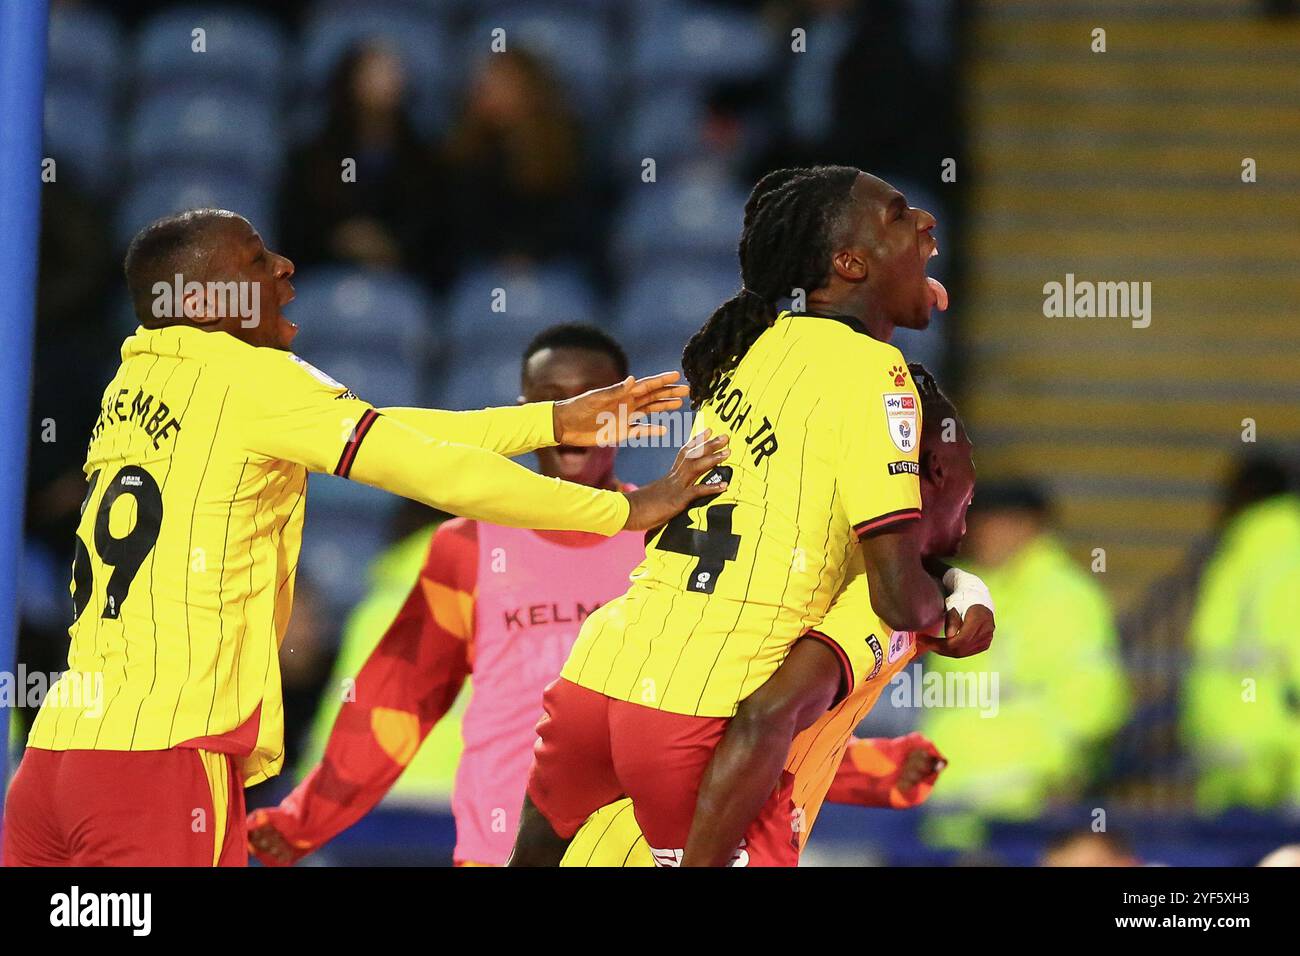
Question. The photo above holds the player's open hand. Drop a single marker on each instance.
(657, 502)
(607, 416)
(267, 843)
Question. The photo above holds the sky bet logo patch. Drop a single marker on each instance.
(904, 468)
(901, 414)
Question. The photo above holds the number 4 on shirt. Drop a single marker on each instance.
(714, 546)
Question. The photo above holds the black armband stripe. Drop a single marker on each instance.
(344, 467)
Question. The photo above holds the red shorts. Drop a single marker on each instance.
(593, 750)
(125, 808)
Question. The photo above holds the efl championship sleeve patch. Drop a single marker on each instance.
(903, 418)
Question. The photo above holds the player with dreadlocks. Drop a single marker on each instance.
(793, 732)
(825, 423)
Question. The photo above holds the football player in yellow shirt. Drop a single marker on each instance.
(825, 421)
(189, 537)
(790, 735)
(794, 734)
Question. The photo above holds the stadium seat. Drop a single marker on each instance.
(415, 31)
(677, 43)
(662, 308)
(340, 308)
(378, 379)
(338, 545)
(172, 192)
(328, 494)
(679, 221)
(80, 135)
(204, 130)
(478, 381)
(243, 50)
(85, 49)
(531, 300)
(666, 126)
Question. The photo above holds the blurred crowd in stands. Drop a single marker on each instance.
(592, 166)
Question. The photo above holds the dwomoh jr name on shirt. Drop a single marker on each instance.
(731, 406)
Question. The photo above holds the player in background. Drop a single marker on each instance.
(188, 544)
(826, 422)
(795, 733)
(791, 733)
(504, 605)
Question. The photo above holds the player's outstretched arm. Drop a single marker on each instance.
(895, 772)
(287, 410)
(510, 430)
(747, 764)
(602, 416)
(478, 484)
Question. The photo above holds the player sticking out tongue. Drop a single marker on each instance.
(848, 241)
(937, 291)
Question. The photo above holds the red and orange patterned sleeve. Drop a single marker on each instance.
(868, 776)
(407, 684)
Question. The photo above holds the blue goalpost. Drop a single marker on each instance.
(24, 26)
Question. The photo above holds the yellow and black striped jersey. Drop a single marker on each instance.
(825, 424)
(188, 542)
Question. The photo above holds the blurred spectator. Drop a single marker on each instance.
(734, 135)
(808, 105)
(1061, 691)
(1241, 699)
(863, 94)
(891, 112)
(387, 216)
(1089, 848)
(516, 170)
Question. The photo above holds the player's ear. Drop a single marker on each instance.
(850, 265)
(197, 304)
(932, 469)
